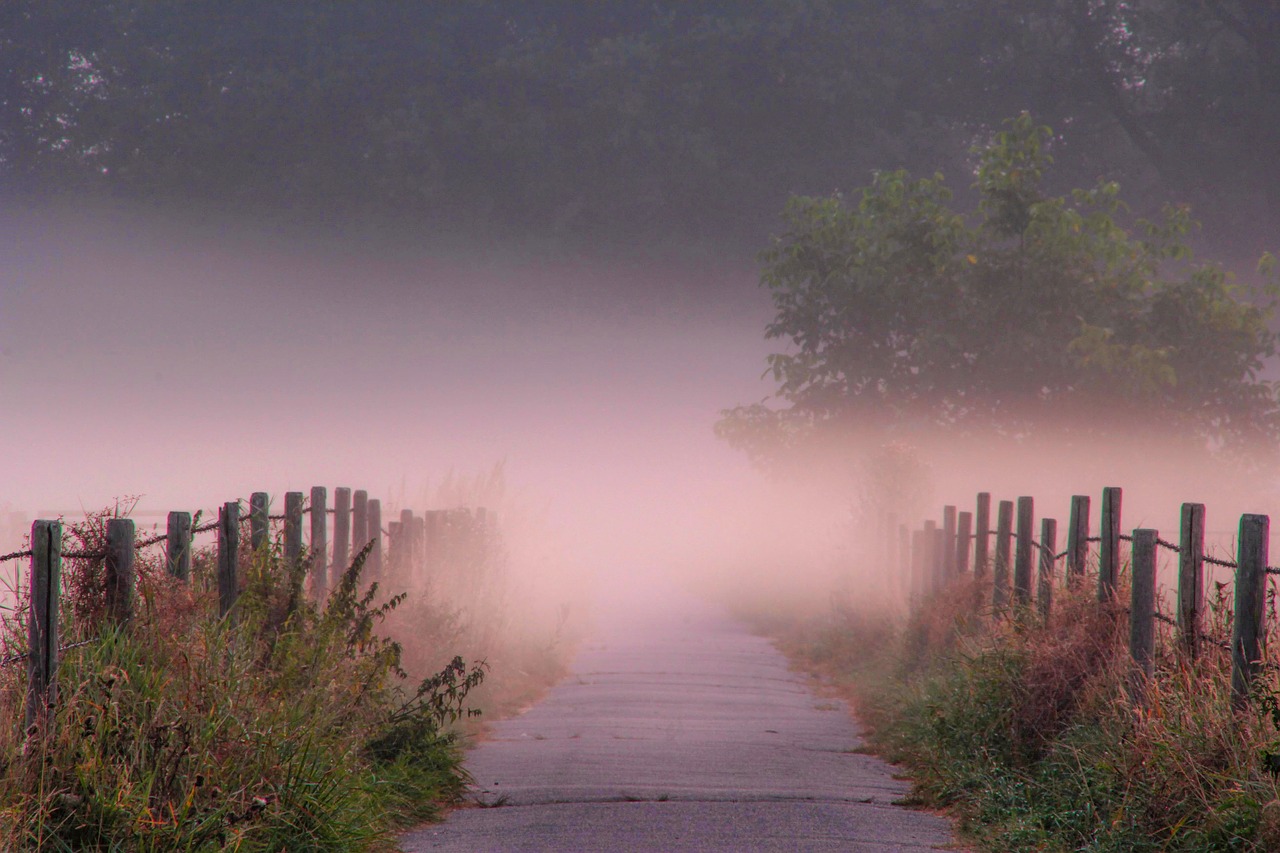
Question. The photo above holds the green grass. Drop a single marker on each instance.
(1025, 732)
(291, 726)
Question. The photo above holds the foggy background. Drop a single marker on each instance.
(367, 244)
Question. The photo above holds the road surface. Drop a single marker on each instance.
(681, 731)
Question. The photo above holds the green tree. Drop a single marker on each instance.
(1042, 313)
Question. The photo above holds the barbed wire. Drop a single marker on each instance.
(16, 555)
(21, 656)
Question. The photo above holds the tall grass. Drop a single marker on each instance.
(1026, 732)
(288, 725)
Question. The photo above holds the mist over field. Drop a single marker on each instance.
(234, 268)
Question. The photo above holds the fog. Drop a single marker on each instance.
(187, 365)
(192, 365)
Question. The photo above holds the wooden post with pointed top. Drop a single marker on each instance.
(42, 627)
(1191, 578)
(319, 545)
(178, 545)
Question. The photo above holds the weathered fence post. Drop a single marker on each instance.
(1048, 549)
(119, 573)
(930, 548)
(341, 532)
(373, 517)
(404, 561)
(1022, 555)
(904, 555)
(419, 539)
(319, 546)
(42, 629)
(259, 520)
(1077, 539)
(939, 558)
(1004, 532)
(1191, 578)
(982, 536)
(292, 529)
(1109, 546)
(228, 545)
(917, 567)
(178, 545)
(948, 543)
(1251, 597)
(395, 546)
(360, 522)
(964, 535)
(1142, 613)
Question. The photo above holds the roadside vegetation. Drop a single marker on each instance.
(1025, 732)
(288, 725)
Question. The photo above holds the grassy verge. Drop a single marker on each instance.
(285, 726)
(1025, 732)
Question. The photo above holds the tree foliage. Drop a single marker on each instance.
(1040, 312)
(692, 119)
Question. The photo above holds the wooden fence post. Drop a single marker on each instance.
(1191, 578)
(982, 536)
(1251, 597)
(395, 546)
(119, 570)
(1004, 532)
(292, 529)
(929, 546)
(373, 517)
(1022, 555)
(917, 567)
(1077, 539)
(319, 545)
(904, 560)
(964, 536)
(341, 533)
(1142, 613)
(259, 520)
(42, 629)
(405, 558)
(360, 522)
(1109, 547)
(1048, 549)
(228, 545)
(418, 540)
(948, 543)
(178, 545)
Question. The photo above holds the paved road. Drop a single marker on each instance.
(675, 732)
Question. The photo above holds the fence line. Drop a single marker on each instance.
(415, 545)
(1013, 590)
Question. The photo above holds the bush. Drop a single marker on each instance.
(285, 726)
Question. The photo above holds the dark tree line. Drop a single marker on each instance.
(691, 120)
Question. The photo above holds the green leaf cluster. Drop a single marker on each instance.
(1038, 312)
